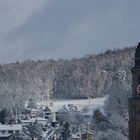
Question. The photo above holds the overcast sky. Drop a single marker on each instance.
(43, 29)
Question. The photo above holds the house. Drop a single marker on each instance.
(46, 113)
(11, 129)
(32, 112)
(39, 120)
(88, 135)
(33, 120)
(76, 136)
(6, 137)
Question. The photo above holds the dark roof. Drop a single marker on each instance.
(46, 109)
(137, 54)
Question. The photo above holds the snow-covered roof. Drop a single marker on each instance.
(32, 109)
(39, 119)
(89, 132)
(46, 109)
(54, 109)
(25, 121)
(77, 135)
(33, 120)
(5, 135)
(13, 127)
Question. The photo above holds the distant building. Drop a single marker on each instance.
(33, 120)
(46, 113)
(6, 137)
(32, 112)
(11, 129)
(76, 136)
(88, 135)
(84, 135)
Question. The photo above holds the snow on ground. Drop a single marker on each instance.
(80, 103)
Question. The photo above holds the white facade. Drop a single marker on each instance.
(8, 129)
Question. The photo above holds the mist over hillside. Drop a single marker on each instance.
(91, 76)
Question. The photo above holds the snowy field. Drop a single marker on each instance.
(80, 104)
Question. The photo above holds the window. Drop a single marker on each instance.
(17, 132)
(10, 131)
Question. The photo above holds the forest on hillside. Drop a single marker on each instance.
(91, 76)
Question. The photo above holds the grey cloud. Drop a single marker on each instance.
(72, 28)
(14, 13)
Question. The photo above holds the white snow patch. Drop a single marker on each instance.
(91, 104)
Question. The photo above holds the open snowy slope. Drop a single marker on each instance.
(80, 104)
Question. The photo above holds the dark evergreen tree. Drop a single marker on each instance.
(65, 134)
(2, 116)
(35, 130)
(99, 117)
